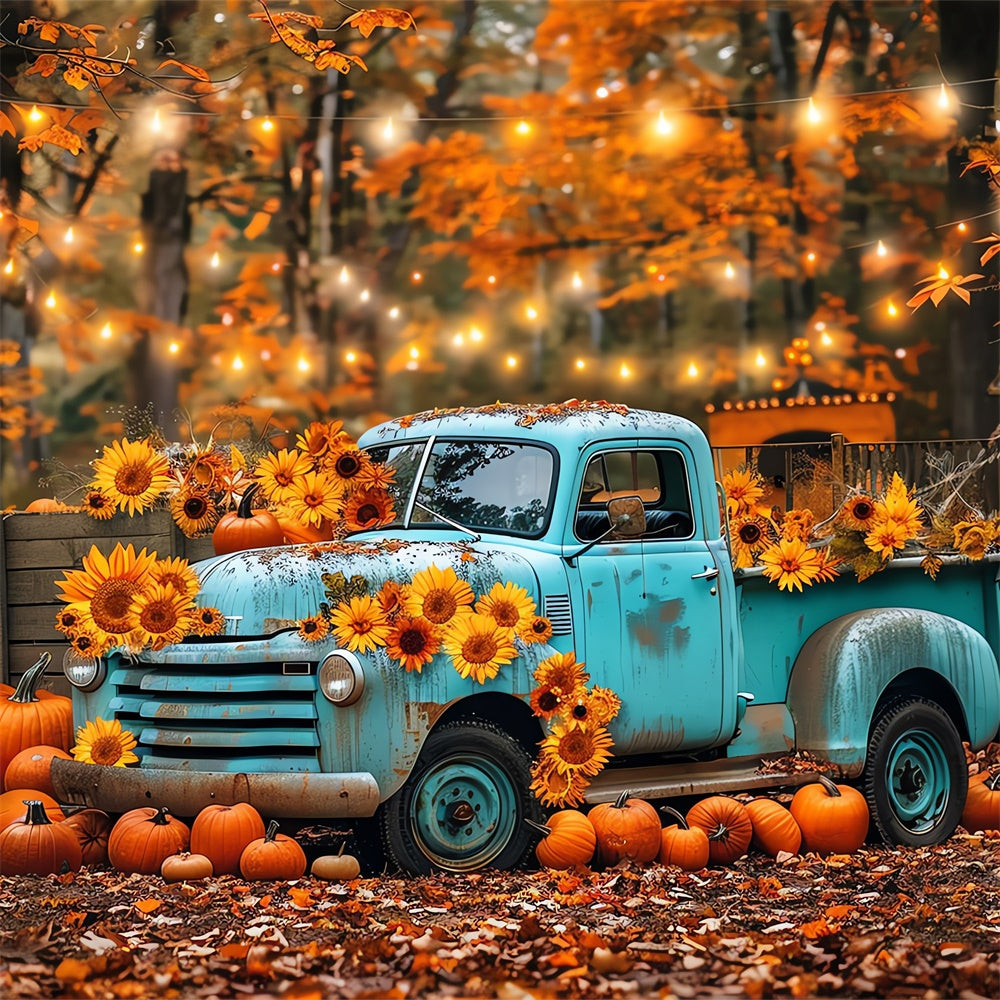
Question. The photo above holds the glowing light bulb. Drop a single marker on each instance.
(51, 300)
(901, 352)
(414, 353)
(416, 277)
(962, 227)
(227, 319)
(580, 364)
(387, 132)
(8, 268)
(302, 364)
(663, 125)
(812, 113)
(68, 238)
(492, 279)
(523, 128)
(394, 312)
(173, 347)
(34, 115)
(365, 295)
(475, 334)
(826, 340)
(624, 371)
(760, 361)
(156, 125)
(267, 125)
(458, 340)
(942, 273)
(345, 275)
(692, 370)
(881, 249)
(350, 357)
(730, 271)
(106, 331)
(943, 100)
(531, 313)
(214, 262)
(577, 280)
(811, 257)
(511, 361)
(237, 363)
(276, 266)
(891, 309)
(137, 247)
(602, 92)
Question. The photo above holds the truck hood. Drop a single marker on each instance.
(262, 591)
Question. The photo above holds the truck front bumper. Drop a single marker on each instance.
(283, 795)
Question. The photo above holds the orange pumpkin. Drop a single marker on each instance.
(833, 818)
(245, 528)
(26, 720)
(774, 827)
(568, 840)
(13, 805)
(144, 837)
(31, 768)
(37, 846)
(92, 828)
(682, 845)
(185, 867)
(47, 505)
(222, 833)
(297, 532)
(627, 828)
(727, 824)
(982, 803)
(273, 857)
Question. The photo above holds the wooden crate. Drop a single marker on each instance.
(37, 549)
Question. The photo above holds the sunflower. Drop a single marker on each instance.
(317, 439)
(161, 615)
(208, 621)
(280, 473)
(858, 512)
(791, 562)
(194, 511)
(360, 624)
(346, 463)
(204, 467)
(546, 702)
(103, 742)
(749, 537)
(71, 619)
(376, 476)
(103, 590)
(98, 505)
(596, 708)
(578, 747)
(885, 536)
(826, 572)
(179, 572)
(797, 523)
(438, 595)
(91, 642)
(412, 642)
(508, 605)
(132, 473)
(743, 488)
(478, 646)
(314, 629)
(392, 597)
(313, 498)
(899, 507)
(536, 629)
(973, 538)
(554, 789)
(365, 509)
(560, 670)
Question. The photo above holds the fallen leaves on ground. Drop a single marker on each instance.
(906, 922)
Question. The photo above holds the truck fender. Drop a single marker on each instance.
(846, 666)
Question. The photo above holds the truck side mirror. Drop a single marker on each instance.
(627, 516)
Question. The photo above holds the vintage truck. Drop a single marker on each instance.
(611, 519)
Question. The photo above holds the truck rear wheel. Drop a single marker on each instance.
(464, 805)
(915, 777)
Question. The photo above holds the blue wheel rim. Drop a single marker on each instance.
(463, 812)
(918, 780)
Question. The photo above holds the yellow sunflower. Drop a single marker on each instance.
(132, 473)
(858, 512)
(973, 538)
(346, 463)
(98, 505)
(314, 498)
(791, 562)
(71, 619)
(412, 642)
(103, 590)
(366, 509)
(748, 534)
(826, 571)
(743, 488)
(392, 597)
(596, 707)
(104, 742)
(208, 621)
(797, 523)
(161, 615)
(578, 747)
(438, 595)
(478, 647)
(279, 473)
(376, 476)
(360, 624)
(508, 605)
(179, 572)
(317, 439)
(546, 702)
(194, 511)
(886, 536)
(560, 670)
(899, 507)
(314, 629)
(555, 789)
(538, 629)
(91, 642)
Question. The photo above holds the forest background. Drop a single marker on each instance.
(290, 214)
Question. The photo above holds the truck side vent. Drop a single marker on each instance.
(556, 608)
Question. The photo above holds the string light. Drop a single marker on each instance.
(237, 363)
(730, 270)
(511, 361)
(276, 266)
(577, 280)
(34, 115)
(137, 247)
(625, 371)
(692, 370)
(345, 275)
(531, 313)
(826, 340)
(523, 128)
(601, 93)
(458, 340)
(174, 347)
(394, 312)
(156, 125)
(881, 249)
(492, 279)
(106, 331)
(68, 238)
(580, 364)
(51, 300)
(303, 364)
(414, 354)
(760, 361)
(365, 295)
(227, 319)
(416, 277)
(267, 125)
(475, 335)
(943, 101)
(214, 262)
(350, 357)
(891, 309)
(387, 132)
(812, 113)
(8, 268)
(663, 125)
(962, 227)
(942, 273)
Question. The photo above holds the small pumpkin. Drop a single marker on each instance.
(245, 528)
(92, 828)
(774, 827)
(222, 832)
(37, 846)
(47, 505)
(626, 828)
(186, 867)
(26, 720)
(339, 867)
(273, 857)
(685, 846)
(568, 839)
(142, 838)
(32, 767)
(12, 807)
(982, 803)
(833, 818)
(727, 824)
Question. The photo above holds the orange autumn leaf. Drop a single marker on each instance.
(257, 225)
(301, 897)
(816, 928)
(148, 905)
(936, 288)
(366, 21)
(994, 240)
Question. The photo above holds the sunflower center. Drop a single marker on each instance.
(750, 534)
(195, 507)
(547, 701)
(505, 613)
(863, 510)
(313, 499)
(479, 648)
(347, 466)
(110, 603)
(133, 479)
(362, 625)
(309, 626)
(158, 616)
(539, 625)
(412, 641)
(575, 747)
(579, 711)
(97, 501)
(367, 512)
(105, 750)
(439, 606)
(283, 478)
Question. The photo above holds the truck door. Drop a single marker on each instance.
(652, 619)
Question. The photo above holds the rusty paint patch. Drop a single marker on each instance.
(681, 638)
(671, 611)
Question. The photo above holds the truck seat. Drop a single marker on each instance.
(591, 524)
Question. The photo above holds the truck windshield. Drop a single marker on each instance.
(483, 485)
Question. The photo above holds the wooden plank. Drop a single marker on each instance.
(4, 655)
(32, 586)
(24, 655)
(34, 623)
(20, 526)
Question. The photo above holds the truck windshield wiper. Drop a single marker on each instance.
(447, 520)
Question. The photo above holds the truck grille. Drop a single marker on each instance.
(217, 716)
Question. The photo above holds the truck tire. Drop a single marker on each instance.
(915, 777)
(463, 806)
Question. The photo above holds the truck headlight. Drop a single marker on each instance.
(341, 678)
(84, 672)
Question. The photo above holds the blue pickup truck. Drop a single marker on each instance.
(612, 521)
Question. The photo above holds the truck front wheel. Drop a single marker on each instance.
(464, 805)
(915, 776)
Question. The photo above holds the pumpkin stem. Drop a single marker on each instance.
(831, 788)
(244, 509)
(271, 832)
(541, 828)
(161, 817)
(681, 821)
(993, 782)
(622, 799)
(36, 815)
(24, 693)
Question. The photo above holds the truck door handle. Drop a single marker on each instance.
(709, 574)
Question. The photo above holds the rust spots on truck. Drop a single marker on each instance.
(671, 611)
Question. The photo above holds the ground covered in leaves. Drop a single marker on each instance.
(908, 922)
